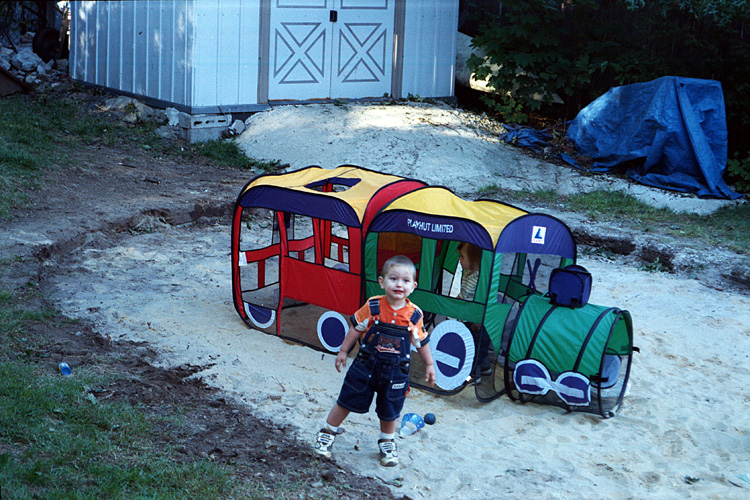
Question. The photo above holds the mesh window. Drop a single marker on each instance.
(259, 277)
(523, 274)
(338, 250)
(300, 235)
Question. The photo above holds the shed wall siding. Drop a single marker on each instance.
(203, 56)
(429, 59)
(227, 44)
(138, 47)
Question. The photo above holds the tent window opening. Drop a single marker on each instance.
(332, 184)
(446, 270)
(301, 240)
(465, 279)
(523, 274)
(259, 257)
(337, 246)
(391, 244)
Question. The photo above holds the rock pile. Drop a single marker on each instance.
(28, 67)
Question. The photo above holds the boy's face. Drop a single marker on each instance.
(398, 283)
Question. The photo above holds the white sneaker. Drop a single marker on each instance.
(388, 452)
(324, 442)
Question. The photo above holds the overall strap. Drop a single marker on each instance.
(374, 307)
(415, 317)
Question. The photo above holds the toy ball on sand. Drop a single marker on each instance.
(429, 418)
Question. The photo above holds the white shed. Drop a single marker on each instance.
(237, 56)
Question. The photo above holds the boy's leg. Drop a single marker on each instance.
(393, 384)
(337, 415)
(388, 427)
(387, 443)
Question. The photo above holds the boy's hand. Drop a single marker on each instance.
(429, 365)
(341, 360)
(429, 375)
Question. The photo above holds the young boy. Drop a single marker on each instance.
(388, 325)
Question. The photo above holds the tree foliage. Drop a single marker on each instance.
(537, 50)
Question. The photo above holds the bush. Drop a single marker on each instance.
(738, 173)
(578, 49)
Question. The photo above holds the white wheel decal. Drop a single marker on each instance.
(332, 328)
(452, 348)
(260, 324)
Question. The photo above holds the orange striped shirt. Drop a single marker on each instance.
(399, 317)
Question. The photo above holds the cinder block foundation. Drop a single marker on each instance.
(200, 128)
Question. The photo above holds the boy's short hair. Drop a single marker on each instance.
(398, 260)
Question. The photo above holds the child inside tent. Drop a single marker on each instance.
(470, 257)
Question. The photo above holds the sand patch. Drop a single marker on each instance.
(684, 419)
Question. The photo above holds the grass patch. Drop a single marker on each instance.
(60, 439)
(547, 196)
(654, 267)
(729, 226)
(20, 160)
(37, 132)
(614, 202)
(489, 189)
(226, 153)
(57, 440)
(63, 443)
(12, 326)
(34, 134)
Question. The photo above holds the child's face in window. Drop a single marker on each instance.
(464, 259)
(398, 283)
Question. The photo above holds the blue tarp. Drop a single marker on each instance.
(525, 137)
(674, 127)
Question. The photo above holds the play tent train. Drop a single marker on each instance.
(307, 247)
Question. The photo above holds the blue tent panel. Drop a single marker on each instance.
(537, 234)
(312, 204)
(676, 126)
(432, 226)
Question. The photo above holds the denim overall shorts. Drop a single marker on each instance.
(382, 367)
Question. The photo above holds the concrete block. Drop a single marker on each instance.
(200, 128)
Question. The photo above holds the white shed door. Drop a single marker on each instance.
(322, 49)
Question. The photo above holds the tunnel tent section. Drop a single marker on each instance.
(527, 252)
(296, 249)
(566, 353)
(576, 358)
(428, 225)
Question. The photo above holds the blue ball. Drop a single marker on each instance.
(429, 418)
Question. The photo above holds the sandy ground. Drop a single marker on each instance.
(683, 429)
(682, 432)
(435, 143)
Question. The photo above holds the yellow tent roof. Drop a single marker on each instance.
(493, 216)
(358, 184)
